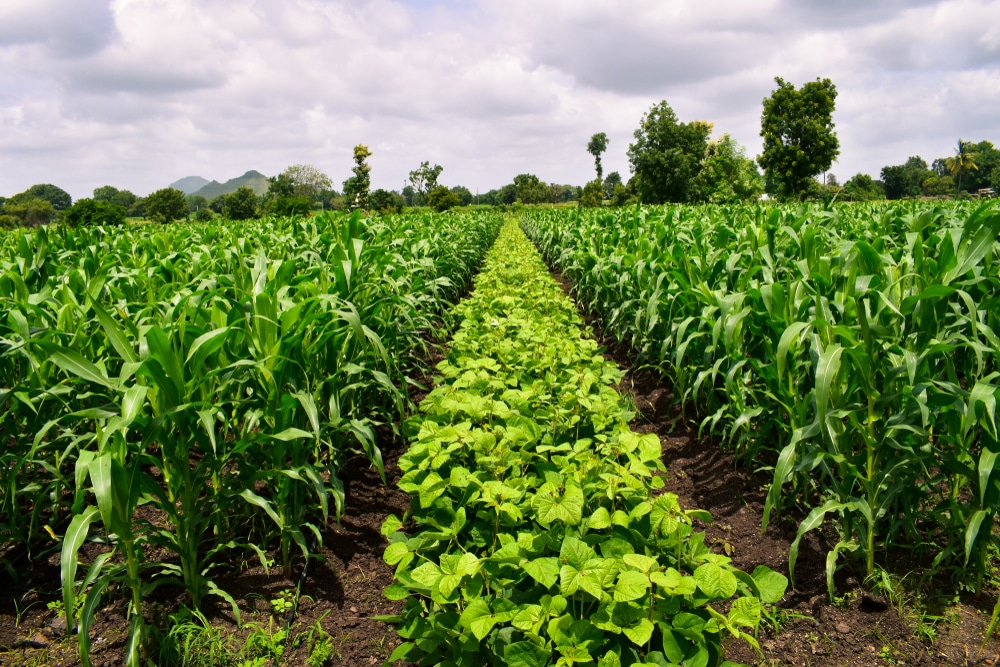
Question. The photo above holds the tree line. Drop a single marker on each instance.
(670, 161)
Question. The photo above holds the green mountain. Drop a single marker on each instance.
(254, 180)
(189, 184)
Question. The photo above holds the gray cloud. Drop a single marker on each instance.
(137, 93)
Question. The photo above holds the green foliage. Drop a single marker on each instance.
(666, 155)
(906, 180)
(442, 199)
(166, 205)
(853, 346)
(56, 196)
(862, 187)
(465, 196)
(89, 212)
(242, 362)
(241, 205)
(596, 146)
(593, 194)
(307, 181)
(962, 162)
(386, 202)
(529, 189)
(537, 537)
(113, 195)
(423, 179)
(29, 212)
(799, 138)
(204, 215)
(727, 175)
(613, 179)
(357, 186)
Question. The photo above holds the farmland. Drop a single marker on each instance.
(182, 404)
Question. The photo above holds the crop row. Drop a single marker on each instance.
(538, 531)
(853, 348)
(194, 389)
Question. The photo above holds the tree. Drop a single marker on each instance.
(938, 186)
(987, 159)
(166, 205)
(529, 189)
(666, 155)
(799, 138)
(93, 212)
(597, 145)
(962, 162)
(727, 175)
(613, 179)
(56, 196)
(196, 203)
(111, 194)
(424, 179)
(862, 187)
(307, 181)
(138, 208)
(442, 199)
(386, 202)
(905, 180)
(240, 205)
(31, 212)
(593, 194)
(464, 195)
(356, 187)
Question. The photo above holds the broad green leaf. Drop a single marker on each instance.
(715, 581)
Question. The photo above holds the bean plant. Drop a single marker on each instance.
(543, 535)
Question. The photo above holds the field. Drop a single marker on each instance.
(202, 425)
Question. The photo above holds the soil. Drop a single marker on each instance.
(343, 595)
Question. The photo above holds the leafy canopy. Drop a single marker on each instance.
(667, 155)
(799, 138)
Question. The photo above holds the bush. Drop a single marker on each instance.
(90, 213)
(593, 194)
(166, 205)
(442, 199)
(240, 205)
(9, 221)
(204, 215)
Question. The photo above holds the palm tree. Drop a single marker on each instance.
(962, 162)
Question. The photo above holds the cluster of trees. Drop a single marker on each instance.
(38, 205)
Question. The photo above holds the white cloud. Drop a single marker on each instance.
(137, 93)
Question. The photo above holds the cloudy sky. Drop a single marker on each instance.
(139, 93)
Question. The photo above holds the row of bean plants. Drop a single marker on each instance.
(192, 390)
(538, 531)
(853, 348)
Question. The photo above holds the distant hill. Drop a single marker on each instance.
(190, 184)
(254, 180)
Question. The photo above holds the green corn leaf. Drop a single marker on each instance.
(75, 535)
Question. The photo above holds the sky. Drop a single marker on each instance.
(140, 93)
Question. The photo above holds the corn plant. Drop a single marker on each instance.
(215, 374)
(850, 348)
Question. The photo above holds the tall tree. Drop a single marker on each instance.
(799, 138)
(597, 145)
(424, 179)
(962, 162)
(666, 155)
(307, 181)
(727, 175)
(356, 187)
(529, 189)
